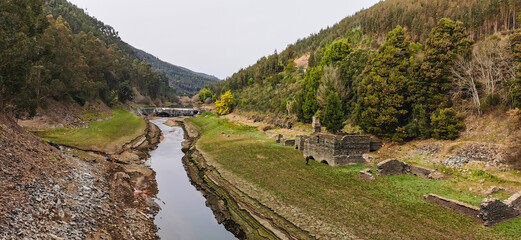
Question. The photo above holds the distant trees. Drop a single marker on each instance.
(413, 84)
(225, 103)
(21, 25)
(41, 57)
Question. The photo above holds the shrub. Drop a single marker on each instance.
(224, 104)
(446, 124)
(204, 94)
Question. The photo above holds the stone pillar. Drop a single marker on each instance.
(278, 138)
(316, 125)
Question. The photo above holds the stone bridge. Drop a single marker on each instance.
(167, 112)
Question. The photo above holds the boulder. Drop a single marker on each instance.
(392, 167)
(421, 171)
(367, 174)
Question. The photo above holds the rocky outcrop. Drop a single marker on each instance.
(54, 192)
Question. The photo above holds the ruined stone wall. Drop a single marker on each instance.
(334, 150)
(299, 142)
(462, 208)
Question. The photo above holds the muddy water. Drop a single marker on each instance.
(183, 214)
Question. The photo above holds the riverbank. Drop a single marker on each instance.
(76, 192)
(242, 215)
(334, 203)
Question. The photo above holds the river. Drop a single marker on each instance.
(183, 214)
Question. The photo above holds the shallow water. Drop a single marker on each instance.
(183, 214)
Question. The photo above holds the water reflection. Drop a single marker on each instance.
(183, 214)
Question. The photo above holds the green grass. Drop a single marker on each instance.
(106, 136)
(390, 208)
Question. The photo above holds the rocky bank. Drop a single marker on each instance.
(54, 192)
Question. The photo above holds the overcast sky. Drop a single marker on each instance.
(217, 37)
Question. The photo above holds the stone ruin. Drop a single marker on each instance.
(315, 126)
(394, 167)
(336, 150)
(333, 149)
(490, 212)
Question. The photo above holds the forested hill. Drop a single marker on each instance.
(185, 81)
(44, 56)
(401, 69)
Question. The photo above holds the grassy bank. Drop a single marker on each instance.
(392, 207)
(106, 136)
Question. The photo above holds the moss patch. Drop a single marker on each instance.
(106, 136)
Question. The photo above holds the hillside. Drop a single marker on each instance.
(399, 70)
(183, 80)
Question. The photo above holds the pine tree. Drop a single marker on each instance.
(429, 90)
(333, 116)
(445, 124)
(336, 52)
(306, 101)
(382, 108)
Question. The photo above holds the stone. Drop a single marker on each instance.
(494, 211)
(336, 150)
(289, 142)
(514, 201)
(278, 138)
(392, 167)
(316, 127)
(436, 175)
(367, 174)
(375, 145)
(420, 171)
(492, 190)
(299, 142)
(459, 207)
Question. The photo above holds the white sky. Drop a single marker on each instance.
(217, 37)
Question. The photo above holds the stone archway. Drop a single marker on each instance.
(325, 162)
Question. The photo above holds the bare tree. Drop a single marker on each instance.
(465, 76)
(486, 72)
